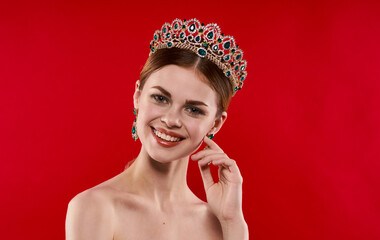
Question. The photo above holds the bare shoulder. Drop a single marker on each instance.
(210, 216)
(90, 215)
(209, 223)
(93, 199)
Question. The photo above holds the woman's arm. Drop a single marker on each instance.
(89, 217)
(225, 196)
(235, 229)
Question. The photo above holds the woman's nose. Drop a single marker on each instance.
(172, 118)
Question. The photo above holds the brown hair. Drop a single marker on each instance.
(186, 58)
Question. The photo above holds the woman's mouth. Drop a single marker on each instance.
(165, 139)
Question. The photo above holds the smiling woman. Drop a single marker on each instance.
(180, 101)
(163, 106)
(206, 69)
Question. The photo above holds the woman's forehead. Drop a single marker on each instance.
(182, 82)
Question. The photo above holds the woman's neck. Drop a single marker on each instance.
(162, 183)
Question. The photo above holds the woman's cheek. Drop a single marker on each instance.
(197, 128)
(152, 109)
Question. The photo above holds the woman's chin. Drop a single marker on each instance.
(168, 157)
(162, 158)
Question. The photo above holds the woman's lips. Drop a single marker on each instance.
(170, 133)
(165, 143)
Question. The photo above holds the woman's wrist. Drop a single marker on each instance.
(235, 229)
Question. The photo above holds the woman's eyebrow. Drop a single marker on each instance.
(163, 91)
(190, 102)
(193, 102)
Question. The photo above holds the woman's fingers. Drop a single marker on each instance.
(201, 154)
(212, 147)
(211, 144)
(208, 181)
(232, 166)
(214, 154)
(209, 158)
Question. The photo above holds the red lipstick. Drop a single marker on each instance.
(165, 143)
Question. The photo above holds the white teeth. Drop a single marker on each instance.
(165, 137)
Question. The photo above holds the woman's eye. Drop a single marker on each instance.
(194, 110)
(160, 98)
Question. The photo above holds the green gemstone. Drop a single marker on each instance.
(176, 26)
(202, 52)
(236, 89)
(182, 35)
(183, 26)
(200, 30)
(227, 45)
(242, 78)
(155, 37)
(228, 73)
(153, 49)
(205, 44)
(164, 30)
(236, 68)
(242, 68)
(170, 44)
(227, 57)
(238, 57)
(215, 48)
(182, 41)
(197, 38)
(219, 40)
(168, 35)
(192, 27)
(233, 50)
(210, 35)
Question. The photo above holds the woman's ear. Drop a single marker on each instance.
(218, 123)
(136, 95)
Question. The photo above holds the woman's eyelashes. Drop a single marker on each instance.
(159, 98)
(194, 110)
(190, 109)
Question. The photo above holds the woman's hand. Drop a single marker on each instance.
(224, 197)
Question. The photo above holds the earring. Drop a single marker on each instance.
(211, 136)
(134, 128)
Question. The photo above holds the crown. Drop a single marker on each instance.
(206, 41)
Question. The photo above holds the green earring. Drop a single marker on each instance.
(211, 136)
(134, 128)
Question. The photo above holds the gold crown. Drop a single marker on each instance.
(205, 41)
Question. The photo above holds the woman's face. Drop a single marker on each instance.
(176, 109)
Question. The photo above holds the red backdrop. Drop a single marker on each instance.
(304, 129)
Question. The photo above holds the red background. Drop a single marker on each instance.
(304, 129)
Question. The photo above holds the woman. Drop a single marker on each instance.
(180, 101)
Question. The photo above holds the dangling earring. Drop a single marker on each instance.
(134, 128)
(211, 136)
